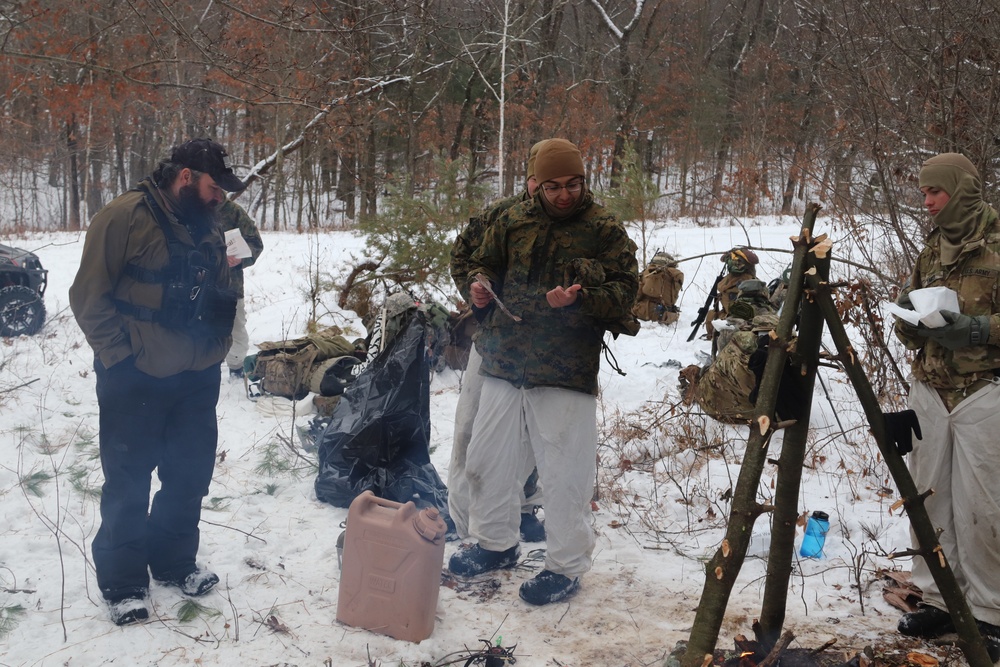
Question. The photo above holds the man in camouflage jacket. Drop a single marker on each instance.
(231, 215)
(468, 241)
(566, 269)
(956, 396)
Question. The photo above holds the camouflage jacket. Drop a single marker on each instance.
(526, 254)
(976, 278)
(232, 216)
(470, 238)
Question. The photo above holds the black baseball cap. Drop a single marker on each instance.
(209, 157)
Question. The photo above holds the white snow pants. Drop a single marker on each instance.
(959, 457)
(241, 339)
(458, 482)
(560, 427)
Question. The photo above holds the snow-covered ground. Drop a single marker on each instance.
(661, 510)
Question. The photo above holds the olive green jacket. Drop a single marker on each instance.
(526, 254)
(232, 216)
(976, 279)
(123, 232)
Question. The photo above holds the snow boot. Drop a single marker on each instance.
(927, 622)
(548, 587)
(196, 583)
(991, 636)
(532, 530)
(128, 610)
(473, 560)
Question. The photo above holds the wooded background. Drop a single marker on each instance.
(733, 107)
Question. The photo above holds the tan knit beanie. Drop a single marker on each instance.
(557, 158)
(532, 155)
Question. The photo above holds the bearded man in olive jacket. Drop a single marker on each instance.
(566, 271)
(152, 297)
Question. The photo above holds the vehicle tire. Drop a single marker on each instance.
(22, 311)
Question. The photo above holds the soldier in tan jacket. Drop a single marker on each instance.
(152, 296)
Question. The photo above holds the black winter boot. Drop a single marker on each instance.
(532, 529)
(473, 560)
(128, 610)
(195, 583)
(548, 587)
(927, 622)
(991, 636)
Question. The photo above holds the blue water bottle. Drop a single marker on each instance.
(816, 527)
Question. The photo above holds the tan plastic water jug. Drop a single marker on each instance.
(393, 554)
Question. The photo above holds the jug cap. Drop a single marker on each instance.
(429, 525)
(821, 515)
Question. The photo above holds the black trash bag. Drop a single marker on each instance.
(378, 437)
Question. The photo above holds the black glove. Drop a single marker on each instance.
(960, 330)
(899, 429)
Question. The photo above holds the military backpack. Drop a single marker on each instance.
(660, 284)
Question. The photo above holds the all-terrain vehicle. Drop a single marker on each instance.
(22, 287)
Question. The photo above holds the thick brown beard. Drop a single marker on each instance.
(198, 216)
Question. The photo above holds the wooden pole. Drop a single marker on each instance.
(789, 482)
(722, 570)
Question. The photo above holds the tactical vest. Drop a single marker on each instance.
(191, 301)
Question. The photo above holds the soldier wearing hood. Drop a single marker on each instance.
(955, 394)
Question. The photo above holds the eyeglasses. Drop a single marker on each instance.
(573, 188)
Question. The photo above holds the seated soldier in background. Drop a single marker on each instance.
(741, 264)
(723, 388)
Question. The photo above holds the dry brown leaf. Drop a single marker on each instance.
(921, 659)
(276, 625)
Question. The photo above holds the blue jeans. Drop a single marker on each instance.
(148, 423)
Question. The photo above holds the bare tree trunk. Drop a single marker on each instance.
(463, 115)
(73, 175)
(346, 183)
(738, 44)
(369, 179)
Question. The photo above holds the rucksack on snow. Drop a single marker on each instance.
(287, 368)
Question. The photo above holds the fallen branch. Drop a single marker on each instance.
(779, 648)
(23, 384)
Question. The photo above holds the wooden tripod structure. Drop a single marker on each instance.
(809, 287)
